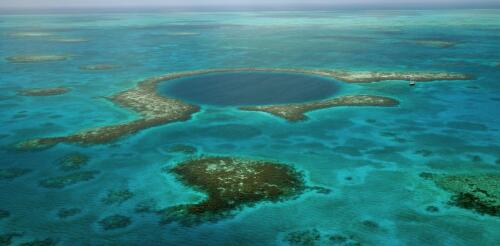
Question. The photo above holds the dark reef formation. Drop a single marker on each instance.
(43, 242)
(68, 212)
(480, 193)
(296, 111)
(231, 183)
(38, 92)
(72, 162)
(303, 238)
(60, 182)
(114, 222)
(313, 237)
(4, 214)
(117, 196)
(6, 238)
(182, 148)
(155, 110)
(146, 206)
(11, 173)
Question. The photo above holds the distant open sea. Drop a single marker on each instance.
(369, 157)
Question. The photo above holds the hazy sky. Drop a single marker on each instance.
(275, 3)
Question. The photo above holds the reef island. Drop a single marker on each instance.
(230, 183)
(154, 109)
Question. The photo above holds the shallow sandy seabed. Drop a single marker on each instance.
(157, 110)
(32, 34)
(69, 40)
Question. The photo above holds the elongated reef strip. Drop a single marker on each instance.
(154, 110)
(36, 58)
(296, 111)
(37, 92)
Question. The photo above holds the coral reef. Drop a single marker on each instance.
(114, 222)
(313, 237)
(11, 173)
(436, 43)
(146, 206)
(36, 58)
(4, 214)
(182, 148)
(231, 183)
(72, 162)
(37, 92)
(60, 182)
(44, 242)
(68, 212)
(296, 111)
(154, 110)
(480, 193)
(99, 67)
(6, 238)
(117, 196)
(303, 238)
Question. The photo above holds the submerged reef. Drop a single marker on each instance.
(11, 173)
(155, 110)
(6, 238)
(99, 67)
(4, 214)
(436, 43)
(480, 193)
(303, 238)
(230, 183)
(114, 222)
(72, 162)
(44, 242)
(36, 58)
(296, 111)
(182, 148)
(36, 92)
(68, 212)
(117, 196)
(313, 237)
(146, 206)
(60, 182)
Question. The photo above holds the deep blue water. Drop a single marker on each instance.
(369, 157)
(255, 88)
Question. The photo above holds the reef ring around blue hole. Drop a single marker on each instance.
(249, 88)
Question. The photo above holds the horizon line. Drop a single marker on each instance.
(255, 7)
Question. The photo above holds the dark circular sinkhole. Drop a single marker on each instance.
(249, 88)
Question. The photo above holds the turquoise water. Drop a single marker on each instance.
(369, 157)
(257, 88)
